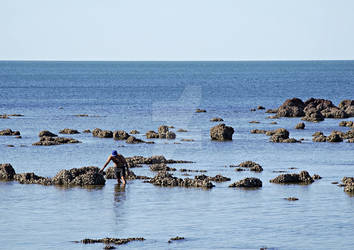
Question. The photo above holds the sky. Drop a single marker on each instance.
(159, 30)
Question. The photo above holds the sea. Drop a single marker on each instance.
(144, 95)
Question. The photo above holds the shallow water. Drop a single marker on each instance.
(145, 95)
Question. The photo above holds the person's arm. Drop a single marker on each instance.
(107, 162)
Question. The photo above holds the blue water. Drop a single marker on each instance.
(144, 95)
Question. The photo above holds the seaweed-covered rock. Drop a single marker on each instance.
(97, 132)
(248, 183)
(221, 132)
(302, 177)
(7, 172)
(69, 131)
(253, 166)
(31, 178)
(216, 178)
(291, 108)
(9, 132)
(300, 125)
(166, 179)
(161, 167)
(51, 141)
(79, 176)
(132, 140)
(46, 133)
(120, 135)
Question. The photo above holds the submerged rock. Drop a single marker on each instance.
(7, 172)
(258, 131)
(155, 159)
(248, 183)
(161, 167)
(46, 133)
(181, 130)
(120, 135)
(86, 131)
(216, 178)
(9, 132)
(132, 140)
(302, 178)
(175, 238)
(69, 131)
(51, 141)
(115, 241)
(200, 111)
(216, 119)
(253, 166)
(221, 132)
(166, 179)
(31, 178)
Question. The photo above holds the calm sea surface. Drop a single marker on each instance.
(144, 95)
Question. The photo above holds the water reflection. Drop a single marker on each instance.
(119, 194)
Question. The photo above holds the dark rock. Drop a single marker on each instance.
(291, 199)
(9, 132)
(47, 134)
(166, 179)
(221, 132)
(134, 132)
(345, 104)
(151, 134)
(161, 167)
(273, 123)
(164, 133)
(31, 178)
(216, 119)
(86, 131)
(349, 184)
(110, 174)
(292, 108)
(252, 110)
(115, 241)
(7, 172)
(254, 122)
(258, 131)
(272, 111)
(350, 141)
(4, 116)
(120, 135)
(152, 160)
(69, 131)
(312, 115)
(51, 141)
(192, 170)
(10, 146)
(109, 247)
(18, 136)
(346, 124)
(335, 136)
(319, 138)
(217, 178)
(300, 125)
(253, 166)
(79, 176)
(316, 177)
(182, 130)
(302, 177)
(187, 140)
(260, 107)
(133, 140)
(317, 134)
(200, 111)
(97, 132)
(248, 183)
(175, 238)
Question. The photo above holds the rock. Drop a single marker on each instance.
(9, 132)
(97, 132)
(335, 136)
(120, 135)
(109, 247)
(252, 110)
(317, 134)
(82, 115)
(217, 178)
(166, 179)
(260, 107)
(18, 136)
(248, 183)
(291, 199)
(216, 119)
(292, 108)
(313, 115)
(79, 176)
(10, 146)
(175, 238)
(86, 131)
(272, 111)
(302, 177)
(200, 111)
(300, 125)
(192, 170)
(31, 178)
(316, 177)
(273, 123)
(133, 140)
(115, 241)
(350, 141)
(258, 131)
(162, 130)
(348, 184)
(345, 104)
(254, 122)
(161, 167)
(47, 134)
(279, 135)
(152, 160)
(170, 135)
(130, 175)
(134, 132)
(187, 140)
(346, 124)
(7, 172)
(334, 112)
(319, 138)
(51, 141)
(69, 131)
(182, 130)
(151, 134)
(221, 132)
(253, 166)
(4, 116)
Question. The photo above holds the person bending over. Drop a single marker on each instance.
(120, 168)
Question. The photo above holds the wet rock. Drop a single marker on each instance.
(51, 141)
(163, 132)
(248, 183)
(9, 132)
(313, 115)
(132, 140)
(31, 178)
(115, 241)
(216, 119)
(175, 238)
(348, 184)
(46, 133)
(155, 159)
(291, 199)
(4, 116)
(253, 166)
(120, 135)
(10, 146)
(252, 110)
(258, 131)
(166, 179)
(335, 136)
(316, 177)
(317, 134)
(350, 141)
(69, 131)
(292, 108)
(221, 132)
(182, 130)
(86, 131)
(187, 140)
(109, 247)
(134, 132)
(170, 135)
(7, 172)
(300, 125)
(256, 122)
(260, 107)
(97, 132)
(192, 170)
(79, 176)
(216, 178)
(82, 115)
(272, 111)
(200, 111)
(161, 167)
(346, 124)
(319, 138)
(303, 177)
(130, 175)
(273, 123)
(151, 134)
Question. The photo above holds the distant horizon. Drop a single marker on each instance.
(290, 60)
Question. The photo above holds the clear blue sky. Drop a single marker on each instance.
(176, 29)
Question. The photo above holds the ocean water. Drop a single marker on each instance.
(144, 95)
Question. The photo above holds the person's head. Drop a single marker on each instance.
(114, 153)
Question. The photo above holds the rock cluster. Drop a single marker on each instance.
(51, 141)
(192, 170)
(248, 183)
(349, 124)
(216, 178)
(252, 166)
(32, 178)
(166, 179)
(221, 132)
(97, 132)
(161, 167)
(130, 175)
(120, 135)
(348, 184)
(7, 172)
(163, 133)
(302, 178)
(69, 131)
(281, 135)
(133, 140)
(9, 132)
(335, 136)
(155, 159)
(115, 241)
